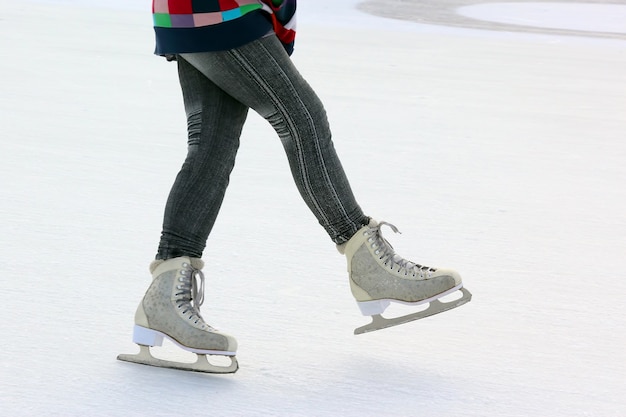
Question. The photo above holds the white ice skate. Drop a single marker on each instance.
(378, 277)
(171, 310)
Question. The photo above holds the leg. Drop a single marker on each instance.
(171, 306)
(262, 76)
(215, 121)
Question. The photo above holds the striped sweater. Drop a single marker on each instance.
(186, 26)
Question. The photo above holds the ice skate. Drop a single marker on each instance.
(378, 277)
(171, 310)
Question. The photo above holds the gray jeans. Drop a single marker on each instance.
(218, 88)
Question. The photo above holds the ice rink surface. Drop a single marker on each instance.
(497, 150)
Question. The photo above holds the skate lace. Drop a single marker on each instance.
(386, 253)
(191, 293)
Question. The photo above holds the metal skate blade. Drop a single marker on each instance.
(201, 364)
(435, 307)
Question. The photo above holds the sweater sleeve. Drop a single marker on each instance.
(284, 21)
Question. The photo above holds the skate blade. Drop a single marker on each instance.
(379, 322)
(201, 364)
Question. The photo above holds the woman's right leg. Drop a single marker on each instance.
(171, 306)
(214, 122)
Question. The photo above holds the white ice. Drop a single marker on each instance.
(499, 154)
(578, 16)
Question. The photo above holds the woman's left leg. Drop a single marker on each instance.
(262, 76)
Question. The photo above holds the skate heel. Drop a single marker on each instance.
(371, 308)
(147, 337)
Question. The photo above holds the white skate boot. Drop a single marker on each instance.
(378, 276)
(171, 309)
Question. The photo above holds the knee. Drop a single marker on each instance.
(307, 124)
(194, 128)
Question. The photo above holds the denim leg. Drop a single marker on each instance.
(214, 122)
(262, 76)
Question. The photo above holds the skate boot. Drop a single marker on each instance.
(171, 309)
(378, 276)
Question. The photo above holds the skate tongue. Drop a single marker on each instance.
(197, 289)
(397, 259)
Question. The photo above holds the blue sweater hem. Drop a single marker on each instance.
(222, 37)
